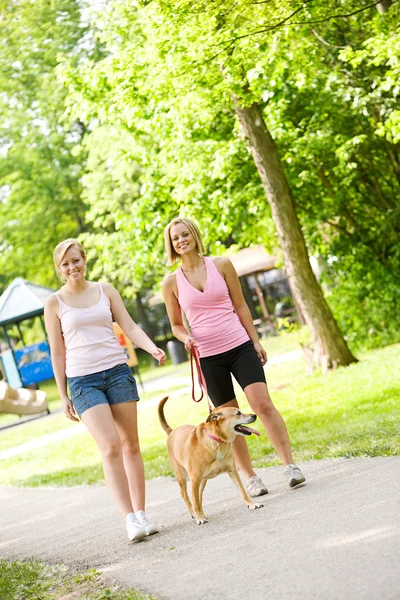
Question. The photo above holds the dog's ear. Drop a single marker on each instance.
(213, 417)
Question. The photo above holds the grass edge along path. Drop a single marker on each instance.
(34, 580)
(276, 345)
(350, 412)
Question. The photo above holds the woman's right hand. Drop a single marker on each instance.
(189, 343)
(68, 409)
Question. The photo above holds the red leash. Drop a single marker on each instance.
(194, 356)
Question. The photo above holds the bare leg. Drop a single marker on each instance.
(261, 403)
(125, 418)
(240, 450)
(100, 423)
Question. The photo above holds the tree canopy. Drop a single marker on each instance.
(125, 118)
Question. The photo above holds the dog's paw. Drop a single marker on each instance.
(201, 521)
(253, 506)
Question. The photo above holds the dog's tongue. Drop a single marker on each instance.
(250, 429)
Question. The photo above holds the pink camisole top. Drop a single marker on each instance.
(213, 322)
(90, 342)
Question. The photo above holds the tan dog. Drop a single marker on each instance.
(205, 451)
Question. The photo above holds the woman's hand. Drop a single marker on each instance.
(262, 355)
(68, 409)
(159, 355)
(189, 343)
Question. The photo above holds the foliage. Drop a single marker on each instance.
(345, 172)
(118, 119)
(166, 124)
(40, 201)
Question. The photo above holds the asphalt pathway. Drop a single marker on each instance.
(335, 538)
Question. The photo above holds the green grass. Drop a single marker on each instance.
(32, 430)
(35, 428)
(55, 402)
(35, 580)
(285, 342)
(275, 345)
(157, 371)
(350, 412)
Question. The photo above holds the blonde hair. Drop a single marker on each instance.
(172, 256)
(61, 249)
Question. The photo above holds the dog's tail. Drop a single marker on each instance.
(161, 416)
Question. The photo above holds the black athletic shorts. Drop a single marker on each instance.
(242, 362)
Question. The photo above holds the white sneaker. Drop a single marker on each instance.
(255, 487)
(145, 522)
(293, 475)
(134, 529)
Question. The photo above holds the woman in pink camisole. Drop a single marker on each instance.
(102, 390)
(207, 290)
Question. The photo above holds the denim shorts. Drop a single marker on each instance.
(111, 386)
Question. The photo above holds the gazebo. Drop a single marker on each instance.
(250, 262)
(21, 301)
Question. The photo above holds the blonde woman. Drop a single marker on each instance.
(86, 354)
(208, 291)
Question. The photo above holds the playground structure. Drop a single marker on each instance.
(22, 401)
(23, 368)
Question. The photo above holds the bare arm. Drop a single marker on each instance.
(227, 270)
(175, 312)
(128, 325)
(57, 350)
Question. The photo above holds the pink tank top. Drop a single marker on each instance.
(213, 322)
(90, 342)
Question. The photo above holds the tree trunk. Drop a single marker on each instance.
(144, 321)
(329, 348)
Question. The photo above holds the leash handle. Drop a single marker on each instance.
(195, 358)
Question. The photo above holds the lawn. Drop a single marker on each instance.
(276, 345)
(35, 580)
(353, 411)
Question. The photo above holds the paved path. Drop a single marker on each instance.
(336, 538)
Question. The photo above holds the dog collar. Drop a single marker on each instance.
(214, 437)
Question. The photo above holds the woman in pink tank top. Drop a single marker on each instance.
(102, 390)
(208, 292)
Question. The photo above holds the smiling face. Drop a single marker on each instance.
(182, 239)
(72, 266)
(181, 236)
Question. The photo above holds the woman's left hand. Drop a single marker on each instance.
(262, 355)
(159, 355)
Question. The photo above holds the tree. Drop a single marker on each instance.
(189, 47)
(222, 34)
(166, 137)
(330, 348)
(39, 174)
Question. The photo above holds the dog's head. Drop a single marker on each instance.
(226, 423)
